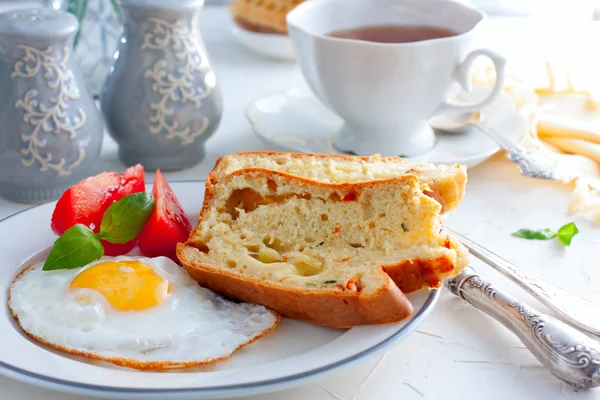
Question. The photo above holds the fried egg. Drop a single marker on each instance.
(144, 313)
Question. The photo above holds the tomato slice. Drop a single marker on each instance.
(86, 202)
(168, 224)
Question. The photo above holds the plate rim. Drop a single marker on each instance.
(70, 386)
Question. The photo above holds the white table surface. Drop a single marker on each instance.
(458, 352)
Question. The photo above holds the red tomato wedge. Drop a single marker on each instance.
(168, 224)
(86, 202)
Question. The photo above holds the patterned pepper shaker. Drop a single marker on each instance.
(161, 101)
(50, 128)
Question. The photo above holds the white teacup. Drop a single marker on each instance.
(386, 92)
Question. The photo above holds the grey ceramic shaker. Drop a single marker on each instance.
(161, 100)
(50, 128)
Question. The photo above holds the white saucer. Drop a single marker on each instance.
(297, 121)
(266, 44)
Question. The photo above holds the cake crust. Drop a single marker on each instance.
(331, 308)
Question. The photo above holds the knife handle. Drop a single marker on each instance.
(566, 352)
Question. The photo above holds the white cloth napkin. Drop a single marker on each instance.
(558, 99)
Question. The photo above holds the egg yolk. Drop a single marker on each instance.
(126, 285)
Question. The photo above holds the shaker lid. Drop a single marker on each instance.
(163, 4)
(38, 22)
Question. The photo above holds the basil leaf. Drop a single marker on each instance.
(125, 218)
(75, 248)
(566, 233)
(540, 234)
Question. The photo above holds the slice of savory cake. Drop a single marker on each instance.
(334, 254)
(446, 184)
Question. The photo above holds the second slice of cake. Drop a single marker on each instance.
(444, 183)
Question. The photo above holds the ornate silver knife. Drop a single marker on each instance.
(569, 307)
(568, 353)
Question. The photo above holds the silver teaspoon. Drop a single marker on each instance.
(566, 352)
(569, 307)
(530, 166)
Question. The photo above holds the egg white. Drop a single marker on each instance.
(193, 326)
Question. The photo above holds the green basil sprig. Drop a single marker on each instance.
(121, 222)
(564, 234)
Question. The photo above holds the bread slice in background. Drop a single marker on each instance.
(336, 254)
(264, 16)
(446, 184)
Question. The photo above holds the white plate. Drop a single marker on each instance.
(297, 121)
(292, 354)
(266, 44)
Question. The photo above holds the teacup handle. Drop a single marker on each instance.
(463, 77)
